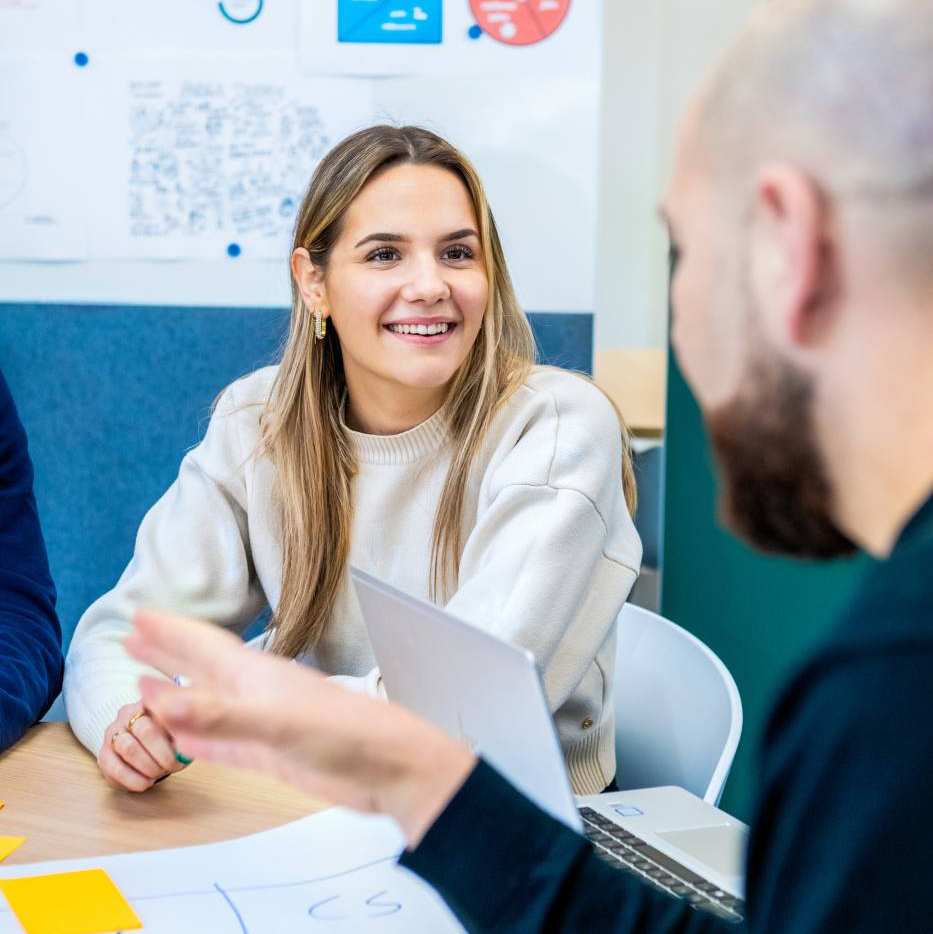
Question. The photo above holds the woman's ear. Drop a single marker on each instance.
(309, 278)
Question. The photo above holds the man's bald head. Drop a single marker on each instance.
(801, 209)
(841, 88)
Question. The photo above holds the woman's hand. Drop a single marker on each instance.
(255, 710)
(137, 750)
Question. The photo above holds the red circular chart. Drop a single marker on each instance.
(519, 22)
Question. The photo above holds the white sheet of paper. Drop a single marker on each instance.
(31, 25)
(573, 48)
(333, 871)
(197, 157)
(42, 161)
(192, 25)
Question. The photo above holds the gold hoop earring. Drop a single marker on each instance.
(320, 326)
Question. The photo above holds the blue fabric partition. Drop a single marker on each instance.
(112, 397)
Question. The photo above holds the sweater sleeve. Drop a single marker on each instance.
(30, 636)
(839, 841)
(192, 557)
(554, 552)
(503, 865)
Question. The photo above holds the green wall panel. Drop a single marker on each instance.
(759, 614)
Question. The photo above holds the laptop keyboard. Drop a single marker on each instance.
(626, 851)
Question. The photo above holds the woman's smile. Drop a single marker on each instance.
(422, 331)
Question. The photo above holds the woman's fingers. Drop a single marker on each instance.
(156, 742)
(116, 769)
(201, 651)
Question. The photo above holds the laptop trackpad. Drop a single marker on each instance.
(721, 848)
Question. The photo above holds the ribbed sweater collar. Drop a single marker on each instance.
(406, 448)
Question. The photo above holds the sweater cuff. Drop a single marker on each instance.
(494, 857)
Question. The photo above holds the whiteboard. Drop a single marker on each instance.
(334, 871)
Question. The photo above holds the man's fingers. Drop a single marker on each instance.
(203, 713)
(201, 651)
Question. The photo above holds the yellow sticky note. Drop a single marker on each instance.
(85, 902)
(8, 844)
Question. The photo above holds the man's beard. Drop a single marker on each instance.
(775, 491)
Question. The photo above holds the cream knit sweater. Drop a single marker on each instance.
(550, 556)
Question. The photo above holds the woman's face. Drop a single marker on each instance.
(405, 286)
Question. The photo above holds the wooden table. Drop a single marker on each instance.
(636, 380)
(56, 797)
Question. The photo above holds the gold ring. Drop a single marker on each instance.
(113, 738)
(133, 719)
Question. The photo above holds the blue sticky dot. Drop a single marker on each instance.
(475, 31)
(234, 250)
(81, 59)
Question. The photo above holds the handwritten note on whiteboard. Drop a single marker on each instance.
(334, 871)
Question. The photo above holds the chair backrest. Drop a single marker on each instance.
(678, 711)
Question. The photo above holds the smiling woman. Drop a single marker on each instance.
(406, 431)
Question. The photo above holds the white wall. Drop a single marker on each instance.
(655, 54)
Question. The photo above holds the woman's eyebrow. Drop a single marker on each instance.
(383, 237)
(398, 238)
(460, 235)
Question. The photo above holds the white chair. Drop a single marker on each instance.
(678, 711)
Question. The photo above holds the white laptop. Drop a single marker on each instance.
(430, 662)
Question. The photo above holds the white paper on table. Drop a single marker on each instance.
(534, 142)
(573, 48)
(228, 26)
(43, 161)
(196, 156)
(32, 25)
(333, 871)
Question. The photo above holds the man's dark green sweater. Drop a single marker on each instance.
(842, 840)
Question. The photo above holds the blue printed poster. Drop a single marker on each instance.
(390, 21)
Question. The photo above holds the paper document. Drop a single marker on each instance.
(451, 38)
(42, 161)
(174, 25)
(210, 158)
(333, 871)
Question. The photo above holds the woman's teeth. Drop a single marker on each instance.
(420, 328)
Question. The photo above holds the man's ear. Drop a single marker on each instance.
(794, 258)
(310, 280)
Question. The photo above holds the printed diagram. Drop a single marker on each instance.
(13, 168)
(241, 12)
(519, 22)
(390, 21)
(210, 158)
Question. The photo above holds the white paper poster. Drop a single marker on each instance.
(193, 25)
(43, 179)
(451, 37)
(211, 159)
(335, 871)
(35, 25)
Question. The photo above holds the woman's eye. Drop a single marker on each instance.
(384, 255)
(458, 253)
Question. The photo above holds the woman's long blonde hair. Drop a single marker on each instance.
(301, 425)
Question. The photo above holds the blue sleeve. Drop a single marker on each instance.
(842, 838)
(30, 635)
(503, 865)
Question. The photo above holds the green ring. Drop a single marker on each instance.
(184, 760)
